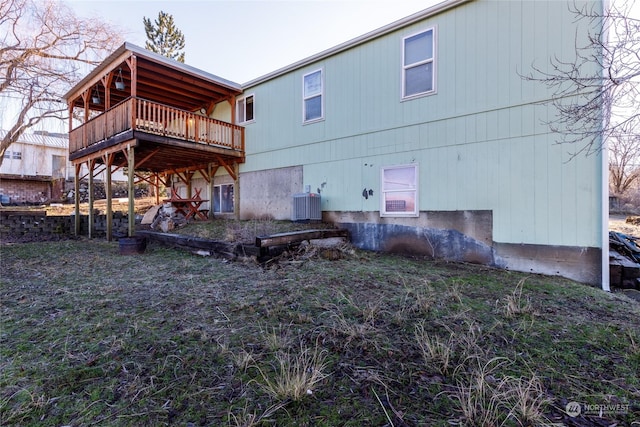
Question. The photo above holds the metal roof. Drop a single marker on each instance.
(46, 139)
(156, 58)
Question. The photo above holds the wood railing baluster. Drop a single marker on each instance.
(147, 116)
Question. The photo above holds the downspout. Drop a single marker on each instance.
(605, 215)
(604, 207)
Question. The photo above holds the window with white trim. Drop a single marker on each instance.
(17, 155)
(223, 198)
(244, 109)
(399, 191)
(312, 96)
(418, 64)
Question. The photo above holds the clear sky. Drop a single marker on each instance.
(240, 40)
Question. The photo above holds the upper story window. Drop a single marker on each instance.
(418, 60)
(399, 191)
(312, 96)
(244, 109)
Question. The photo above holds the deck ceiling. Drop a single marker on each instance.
(162, 154)
(155, 156)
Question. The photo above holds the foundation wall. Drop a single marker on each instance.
(465, 236)
(269, 193)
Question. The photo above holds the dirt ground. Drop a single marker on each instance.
(619, 223)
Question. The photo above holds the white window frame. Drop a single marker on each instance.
(241, 109)
(306, 97)
(385, 208)
(218, 189)
(17, 155)
(431, 60)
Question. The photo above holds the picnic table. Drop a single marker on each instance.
(188, 207)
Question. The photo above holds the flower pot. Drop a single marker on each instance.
(132, 245)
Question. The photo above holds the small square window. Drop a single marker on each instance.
(244, 109)
(17, 155)
(399, 189)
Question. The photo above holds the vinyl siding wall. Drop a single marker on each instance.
(481, 141)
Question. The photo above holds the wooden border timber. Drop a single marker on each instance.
(298, 236)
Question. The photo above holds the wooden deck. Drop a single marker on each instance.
(135, 114)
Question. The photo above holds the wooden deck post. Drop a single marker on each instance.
(131, 190)
(76, 192)
(211, 172)
(91, 164)
(156, 186)
(108, 158)
(236, 190)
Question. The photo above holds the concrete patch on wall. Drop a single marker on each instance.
(269, 193)
(464, 236)
(448, 245)
(582, 264)
(478, 225)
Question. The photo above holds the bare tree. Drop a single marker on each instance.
(44, 49)
(624, 167)
(596, 93)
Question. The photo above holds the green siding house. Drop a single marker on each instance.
(423, 137)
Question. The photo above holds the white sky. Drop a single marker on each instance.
(240, 40)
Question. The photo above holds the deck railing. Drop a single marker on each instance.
(158, 119)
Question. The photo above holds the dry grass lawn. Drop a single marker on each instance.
(92, 337)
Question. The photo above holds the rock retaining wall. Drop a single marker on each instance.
(37, 223)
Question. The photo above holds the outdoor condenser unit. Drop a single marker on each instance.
(306, 206)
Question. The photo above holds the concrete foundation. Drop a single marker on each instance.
(582, 264)
(465, 236)
(268, 193)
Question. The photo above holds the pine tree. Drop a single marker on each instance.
(163, 37)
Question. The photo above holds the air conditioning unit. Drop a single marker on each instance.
(306, 207)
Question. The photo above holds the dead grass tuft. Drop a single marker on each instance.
(516, 304)
(294, 376)
(485, 398)
(435, 351)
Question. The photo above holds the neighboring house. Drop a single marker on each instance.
(35, 168)
(420, 137)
